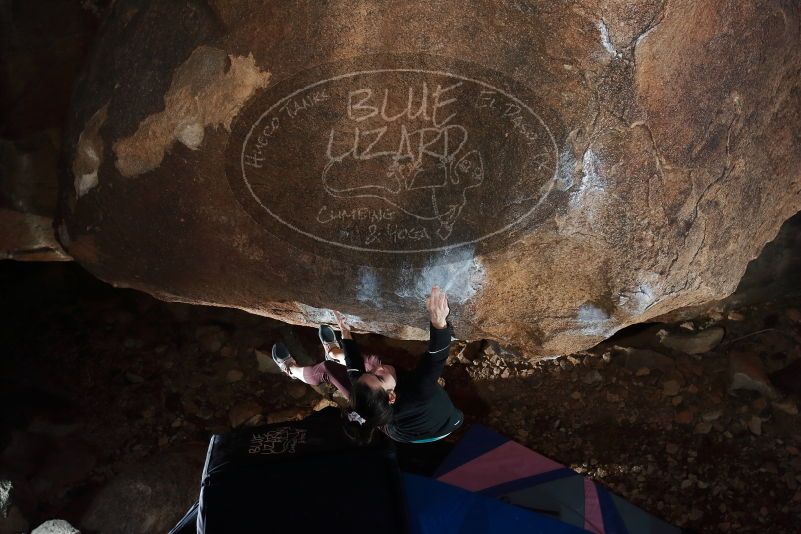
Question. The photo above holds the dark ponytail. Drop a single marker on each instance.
(372, 410)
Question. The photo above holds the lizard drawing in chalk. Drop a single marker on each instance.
(430, 183)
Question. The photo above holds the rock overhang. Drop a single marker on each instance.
(564, 173)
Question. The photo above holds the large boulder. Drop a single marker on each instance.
(150, 496)
(563, 169)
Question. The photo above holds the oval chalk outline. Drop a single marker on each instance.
(417, 251)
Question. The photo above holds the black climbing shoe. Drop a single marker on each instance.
(329, 340)
(282, 358)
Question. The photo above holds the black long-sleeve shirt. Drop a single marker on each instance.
(422, 409)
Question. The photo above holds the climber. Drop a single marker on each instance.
(408, 406)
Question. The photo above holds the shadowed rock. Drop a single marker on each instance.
(28, 192)
(147, 497)
(747, 372)
(44, 46)
(693, 343)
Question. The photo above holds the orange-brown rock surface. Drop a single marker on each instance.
(564, 169)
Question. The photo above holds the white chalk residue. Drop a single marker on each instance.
(645, 34)
(564, 176)
(85, 182)
(190, 132)
(368, 288)
(591, 180)
(88, 154)
(461, 277)
(605, 40)
(639, 300)
(326, 316)
(593, 321)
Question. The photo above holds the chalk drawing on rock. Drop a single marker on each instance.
(365, 161)
(427, 189)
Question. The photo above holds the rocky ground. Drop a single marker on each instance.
(105, 390)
